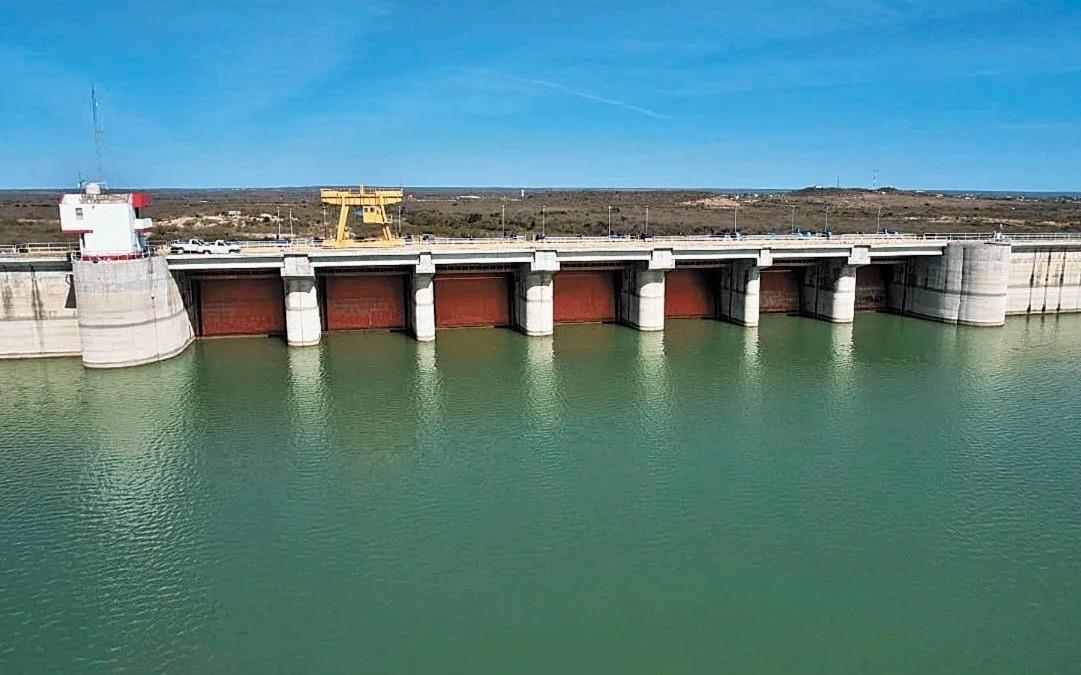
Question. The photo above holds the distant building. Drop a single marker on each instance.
(108, 225)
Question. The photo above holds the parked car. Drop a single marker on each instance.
(199, 246)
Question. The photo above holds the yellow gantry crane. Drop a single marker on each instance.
(372, 205)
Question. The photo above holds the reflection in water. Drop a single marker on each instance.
(750, 350)
(750, 385)
(136, 512)
(429, 411)
(308, 393)
(654, 406)
(542, 396)
(842, 359)
(840, 365)
(841, 345)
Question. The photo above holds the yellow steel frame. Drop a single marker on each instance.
(373, 205)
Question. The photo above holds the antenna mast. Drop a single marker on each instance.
(99, 132)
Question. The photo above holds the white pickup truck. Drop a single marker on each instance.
(200, 246)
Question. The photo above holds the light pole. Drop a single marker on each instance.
(609, 222)
(290, 223)
(827, 217)
(503, 221)
(324, 221)
(399, 220)
(735, 219)
(793, 221)
(879, 218)
(647, 219)
(543, 221)
(278, 218)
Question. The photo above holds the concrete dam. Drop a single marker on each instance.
(140, 309)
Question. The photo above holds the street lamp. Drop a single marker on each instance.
(879, 218)
(647, 219)
(827, 217)
(609, 222)
(543, 221)
(503, 221)
(793, 222)
(735, 219)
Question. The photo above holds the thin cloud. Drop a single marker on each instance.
(596, 99)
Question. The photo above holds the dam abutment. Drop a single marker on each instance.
(967, 284)
(131, 312)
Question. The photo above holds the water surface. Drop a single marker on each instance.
(893, 496)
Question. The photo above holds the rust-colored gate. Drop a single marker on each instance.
(361, 302)
(872, 283)
(778, 291)
(472, 299)
(241, 305)
(584, 296)
(689, 293)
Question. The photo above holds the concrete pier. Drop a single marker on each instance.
(302, 323)
(738, 294)
(828, 292)
(131, 312)
(422, 300)
(533, 302)
(642, 293)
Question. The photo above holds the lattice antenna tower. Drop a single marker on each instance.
(99, 134)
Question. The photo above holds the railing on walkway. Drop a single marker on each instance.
(307, 243)
(1004, 236)
(135, 255)
(38, 249)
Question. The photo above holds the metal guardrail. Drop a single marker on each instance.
(38, 248)
(302, 243)
(1003, 236)
(137, 255)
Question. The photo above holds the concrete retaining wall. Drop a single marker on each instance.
(1045, 281)
(38, 315)
(131, 312)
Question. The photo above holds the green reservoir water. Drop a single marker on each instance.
(893, 496)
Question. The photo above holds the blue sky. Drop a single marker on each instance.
(962, 94)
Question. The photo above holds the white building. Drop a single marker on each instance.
(108, 225)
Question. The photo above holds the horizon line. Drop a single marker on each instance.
(584, 188)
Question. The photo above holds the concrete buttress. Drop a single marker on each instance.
(303, 326)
